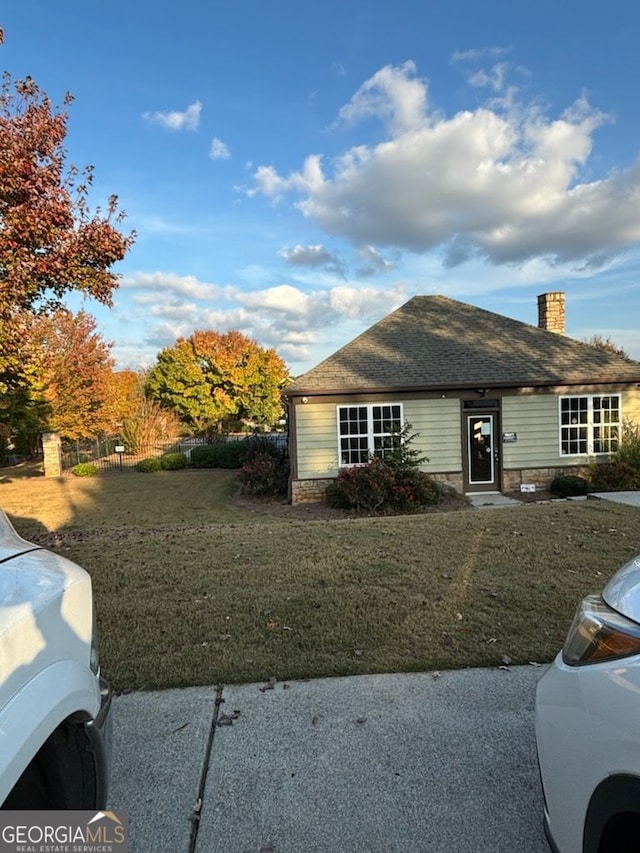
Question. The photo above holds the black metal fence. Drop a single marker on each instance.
(113, 454)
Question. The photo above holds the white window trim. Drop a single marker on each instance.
(371, 435)
(589, 424)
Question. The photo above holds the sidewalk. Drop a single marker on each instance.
(496, 500)
(415, 762)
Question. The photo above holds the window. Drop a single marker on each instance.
(367, 430)
(589, 425)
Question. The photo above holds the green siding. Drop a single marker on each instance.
(437, 423)
(317, 440)
(535, 419)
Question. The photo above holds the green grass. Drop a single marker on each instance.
(192, 588)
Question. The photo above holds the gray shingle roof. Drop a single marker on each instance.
(436, 342)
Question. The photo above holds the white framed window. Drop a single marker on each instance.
(369, 430)
(589, 424)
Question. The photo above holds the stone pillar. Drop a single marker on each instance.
(51, 447)
(551, 312)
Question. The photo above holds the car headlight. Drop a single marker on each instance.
(599, 633)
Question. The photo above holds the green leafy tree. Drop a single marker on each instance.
(211, 379)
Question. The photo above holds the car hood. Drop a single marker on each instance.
(622, 593)
(12, 545)
(45, 611)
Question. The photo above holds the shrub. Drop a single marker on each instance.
(378, 487)
(615, 477)
(230, 454)
(147, 466)
(84, 469)
(336, 496)
(403, 457)
(173, 461)
(264, 444)
(629, 448)
(568, 486)
(264, 475)
(390, 484)
(205, 456)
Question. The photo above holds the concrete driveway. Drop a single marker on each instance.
(406, 763)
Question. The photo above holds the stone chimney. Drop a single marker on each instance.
(551, 312)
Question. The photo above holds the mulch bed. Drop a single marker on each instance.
(323, 512)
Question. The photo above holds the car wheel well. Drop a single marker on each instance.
(62, 774)
(612, 824)
(621, 833)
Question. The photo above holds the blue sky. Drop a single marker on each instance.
(296, 171)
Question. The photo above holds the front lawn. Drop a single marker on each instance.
(192, 588)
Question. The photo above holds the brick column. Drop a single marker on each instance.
(51, 447)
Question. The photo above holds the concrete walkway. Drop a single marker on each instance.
(630, 498)
(496, 500)
(390, 763)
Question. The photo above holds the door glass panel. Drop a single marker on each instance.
(480, 436)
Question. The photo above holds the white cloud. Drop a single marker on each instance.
(218, 150)
(372, 262)
(281, 299)
(189, 119)
(313, 256)
(479, 53)
(503, 181)
(162, 286)
(494, 78)
(393, 95)
(284, 317)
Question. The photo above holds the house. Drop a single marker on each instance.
(495, 402)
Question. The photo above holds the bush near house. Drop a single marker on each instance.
(569, 486)
(264, 475)
(377, 487)
(628, 451)
(615, 477)
(390, 484)
(265, 467)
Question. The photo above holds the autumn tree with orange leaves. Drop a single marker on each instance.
(51, 243)
(212, 380)
(70, 367)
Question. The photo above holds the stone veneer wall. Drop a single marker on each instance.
(309, 491)
(313, 491)
(541, 477)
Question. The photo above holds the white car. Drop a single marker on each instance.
(588, 725)
(54, 706)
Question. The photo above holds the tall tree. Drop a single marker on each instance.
(607, 345)
(70, 368)
(50, 241)
(212, 378)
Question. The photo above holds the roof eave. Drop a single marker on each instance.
(301, 391)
